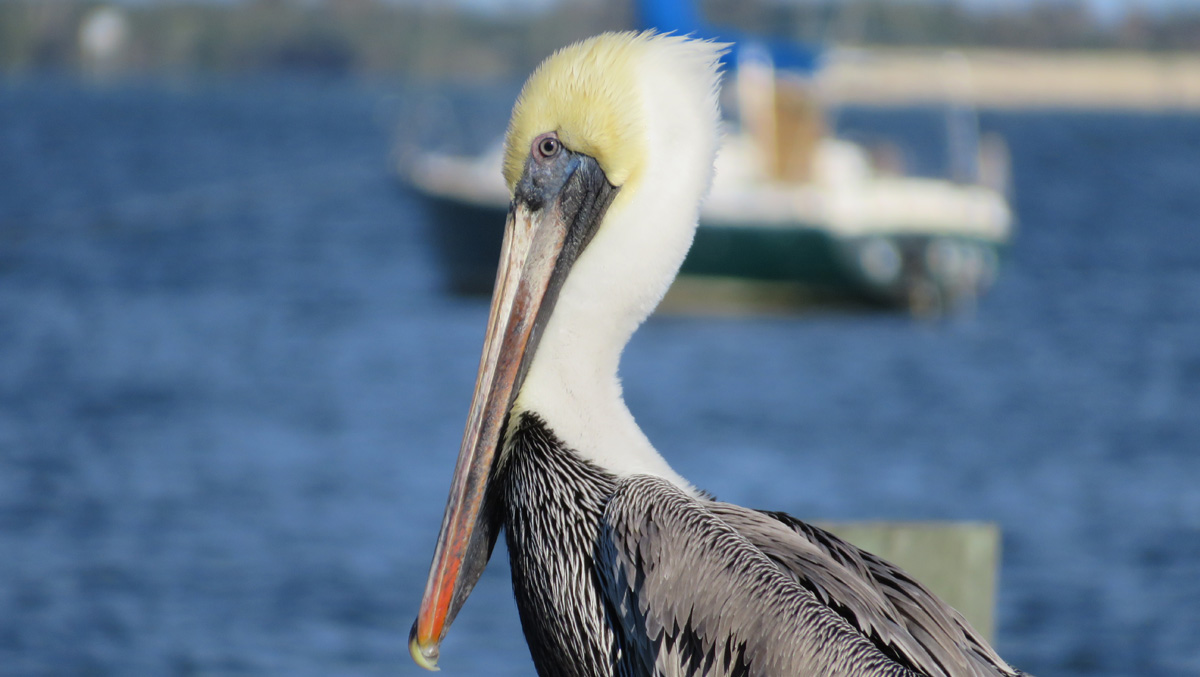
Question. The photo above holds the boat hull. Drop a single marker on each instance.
(924, 273)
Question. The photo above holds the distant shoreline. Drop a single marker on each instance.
(1009, 79)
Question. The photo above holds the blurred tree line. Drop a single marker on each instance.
(1046, 25)
(329, 36)
(434, 40)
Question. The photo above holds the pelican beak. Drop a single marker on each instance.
(557, 205)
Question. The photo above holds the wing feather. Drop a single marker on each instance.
(693, 596)
(887, 605)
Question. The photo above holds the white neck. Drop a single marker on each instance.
(618, 280)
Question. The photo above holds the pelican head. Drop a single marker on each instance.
(608, 154)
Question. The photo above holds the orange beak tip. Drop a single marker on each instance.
(424, 655)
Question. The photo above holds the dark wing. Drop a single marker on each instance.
(897, 613)
(690, 595)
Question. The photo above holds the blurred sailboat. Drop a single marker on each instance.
(794, 213)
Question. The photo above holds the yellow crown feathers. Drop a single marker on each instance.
(587, 93)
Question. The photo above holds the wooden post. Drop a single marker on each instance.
(956, 560)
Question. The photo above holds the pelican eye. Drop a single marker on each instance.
(547, 147)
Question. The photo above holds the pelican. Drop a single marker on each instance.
(619, 565)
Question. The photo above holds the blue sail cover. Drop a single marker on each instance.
(681, 16)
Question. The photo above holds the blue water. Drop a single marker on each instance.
(231, 391)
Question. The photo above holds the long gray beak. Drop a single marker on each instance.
(556, 208)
